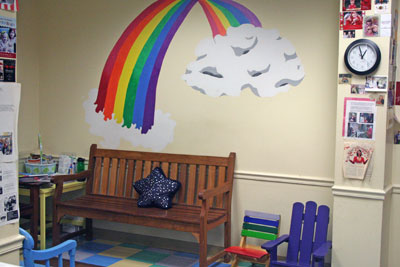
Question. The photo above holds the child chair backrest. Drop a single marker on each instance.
(261, 225)
(308, 230)
(30, 255)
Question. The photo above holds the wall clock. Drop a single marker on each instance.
(362, 57)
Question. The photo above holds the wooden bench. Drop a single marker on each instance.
(202, 203)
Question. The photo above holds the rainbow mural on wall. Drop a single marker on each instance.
(128, 83)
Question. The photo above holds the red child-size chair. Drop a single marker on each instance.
(257, 225)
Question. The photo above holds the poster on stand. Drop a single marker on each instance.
(9, 105)
(8, 37)
(359, 118)
(7, 70)
(356, 159)
(9, 207)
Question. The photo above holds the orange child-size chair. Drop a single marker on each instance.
(257, 225)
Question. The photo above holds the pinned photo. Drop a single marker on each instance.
(357, 89)
(358, 130)
(344, 78)
(10, 5)
(366, 118)
(352, 20)
(381, 6)
(365, 4)
(6, 143)
(349, 34)
(376, 84)
(371, 26)
(379, 99)
(351, 5)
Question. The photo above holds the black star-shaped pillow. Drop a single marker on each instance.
(156, 190)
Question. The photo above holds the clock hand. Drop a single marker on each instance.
(359, 48)
(364, 53)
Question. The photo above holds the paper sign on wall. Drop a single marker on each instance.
(359, 118)
(356, 158)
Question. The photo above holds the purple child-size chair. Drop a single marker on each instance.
(307, 244)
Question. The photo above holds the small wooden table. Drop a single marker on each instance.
(38, 196)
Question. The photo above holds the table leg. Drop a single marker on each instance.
(34, 197)
(42, 221)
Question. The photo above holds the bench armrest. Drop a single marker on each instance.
(210, 193)
(59, 179)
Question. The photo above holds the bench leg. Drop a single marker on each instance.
(89, 229)
(227, 239)
(203, 246)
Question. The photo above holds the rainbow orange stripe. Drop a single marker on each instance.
(128, 83)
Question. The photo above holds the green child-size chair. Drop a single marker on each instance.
(257, 225)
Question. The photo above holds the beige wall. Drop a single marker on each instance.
(285, 144)
(28, 41)
(291, 133)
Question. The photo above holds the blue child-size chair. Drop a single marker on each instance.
(31, 255)
(307, 244)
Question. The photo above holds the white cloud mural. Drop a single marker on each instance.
(161, 134)
(247, 56)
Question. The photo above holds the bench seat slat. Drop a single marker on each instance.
(179, 212)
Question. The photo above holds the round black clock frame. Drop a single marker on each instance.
(371, 44)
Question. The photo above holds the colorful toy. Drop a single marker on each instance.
(307, 244)
(258, 225)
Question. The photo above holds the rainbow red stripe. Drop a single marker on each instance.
(128, 83)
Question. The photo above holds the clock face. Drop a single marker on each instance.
(362, 57)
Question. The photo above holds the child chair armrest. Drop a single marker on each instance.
(54, 251)
(320, 252)
(274, 243)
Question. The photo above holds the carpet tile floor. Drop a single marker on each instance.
(108, 253)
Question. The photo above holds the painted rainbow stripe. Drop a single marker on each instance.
(222, 14)
(129, 80)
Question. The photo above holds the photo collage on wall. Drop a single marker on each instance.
(354, 18)
(8, 49)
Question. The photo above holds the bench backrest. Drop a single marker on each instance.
(113, 173)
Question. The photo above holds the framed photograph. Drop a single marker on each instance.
(10, 5)
(365, 4)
